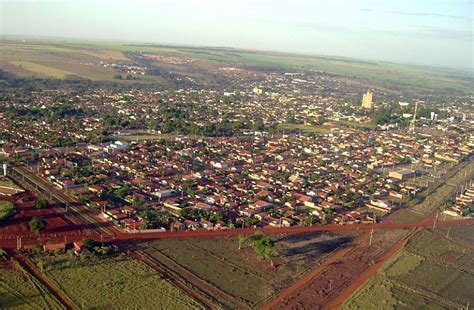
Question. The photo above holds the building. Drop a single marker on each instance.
(402, 174)
(367, 100)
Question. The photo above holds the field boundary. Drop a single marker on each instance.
(64, 300)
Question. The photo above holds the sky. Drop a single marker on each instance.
(425, 32)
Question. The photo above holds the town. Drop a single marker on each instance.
(192, 180)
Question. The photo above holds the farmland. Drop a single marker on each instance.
(432, 270)
(62, 59)
(117, 282)
(19, 290)
(238, 272)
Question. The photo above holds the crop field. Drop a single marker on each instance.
(432, 271)
(239, 272)
(44, 60)
(41, 69)
(115, 283)
(19, 290)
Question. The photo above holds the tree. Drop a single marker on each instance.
(37, 224)
(243, 239)
(3, 254)
(41, 203)
(263, 246)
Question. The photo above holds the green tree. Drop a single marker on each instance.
(37, 224)
(41, 203)
(243, 240)
(263, 246)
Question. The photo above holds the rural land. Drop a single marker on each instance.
(144, 176)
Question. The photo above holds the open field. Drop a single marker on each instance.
(327, 283)
(44, 60)
(19, 290)
(42, 69)
(431, 271)
(238, 272)
(115, 283)
(75, 57)
(304, 128)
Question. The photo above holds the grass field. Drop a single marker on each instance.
(304, 128)
(41, 69)
(116, 283)
(239, 272)
(431, 272)
(372, 72)
(18, 290)
(46, 60)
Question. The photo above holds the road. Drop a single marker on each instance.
(21, 173)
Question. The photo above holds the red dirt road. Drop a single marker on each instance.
(372, 270)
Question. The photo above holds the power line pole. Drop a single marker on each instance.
(435, 219)
(371, 235)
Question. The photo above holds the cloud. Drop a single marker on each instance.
(464, 35)
(427, 14)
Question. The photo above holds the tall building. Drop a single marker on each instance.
(367, 100)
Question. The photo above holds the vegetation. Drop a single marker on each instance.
(118, 282)
(19, 290)
(239, 272)
(41, 203)
(37, 224)
(431, 271)
(262, 244)
(66, 59)
(7, 209)
(99, 248)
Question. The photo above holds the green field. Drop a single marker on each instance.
(115, 283)
(46, 60)
(239, 272)
(18, 290)
(69, 56)
(41, 69)
(431, 272)
(304, 128)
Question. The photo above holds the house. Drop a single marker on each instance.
(402, 174)
(54, 247)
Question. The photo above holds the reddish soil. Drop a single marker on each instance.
(341, 275)
(59, 225)
(366, 275)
